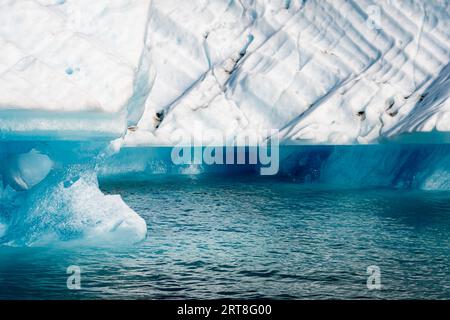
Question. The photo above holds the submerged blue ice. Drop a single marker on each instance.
(50, 191)
(56, 197)
(406, 166)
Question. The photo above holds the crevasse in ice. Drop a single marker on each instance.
(79, 79)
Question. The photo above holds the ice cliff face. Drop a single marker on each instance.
(338, 72)
(319, 71)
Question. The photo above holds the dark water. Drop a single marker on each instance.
(252, 237)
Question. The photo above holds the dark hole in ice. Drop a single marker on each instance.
(423, 96)
(393, 113)
(362, 114)
(158, 117)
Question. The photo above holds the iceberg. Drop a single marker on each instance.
(336, 72)
(92, 88)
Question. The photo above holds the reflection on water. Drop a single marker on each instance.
(253, 237)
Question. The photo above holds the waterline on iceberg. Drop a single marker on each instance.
(399, 166)
(63, 203)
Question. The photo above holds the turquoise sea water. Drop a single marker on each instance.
(243, 236)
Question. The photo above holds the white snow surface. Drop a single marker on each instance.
(70, 65)
(320, 71)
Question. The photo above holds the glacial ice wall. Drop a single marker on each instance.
(333, 72)
(79, 79)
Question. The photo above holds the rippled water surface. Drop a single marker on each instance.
(249, 237)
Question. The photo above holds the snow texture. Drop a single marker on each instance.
(337, 72)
